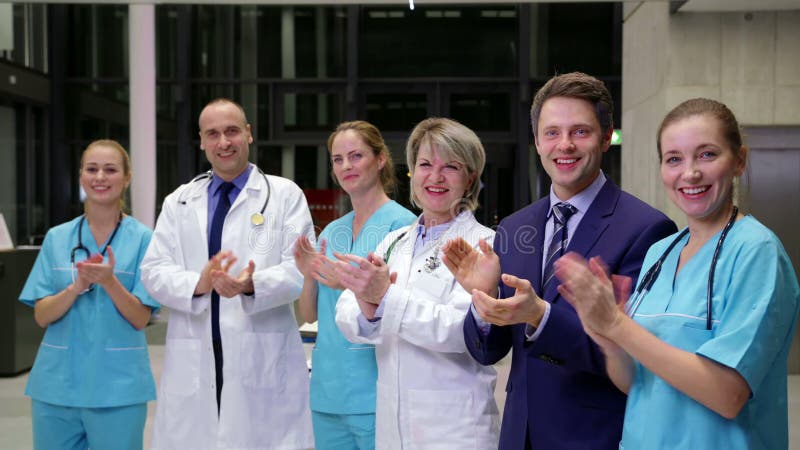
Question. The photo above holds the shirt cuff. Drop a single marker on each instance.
(379, 311)
(365, 327)
(484, 327)
(368, 327)
(532, 333)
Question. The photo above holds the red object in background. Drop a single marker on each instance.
(326, 205)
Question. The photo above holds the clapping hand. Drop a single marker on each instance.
(596, 297)
(228, 286)
(523, 307)
(94, 271)
(368, 277)
(473, 269)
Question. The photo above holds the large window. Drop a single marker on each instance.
(438, 40)
(22, 150)
(23, 35)
(298, 71)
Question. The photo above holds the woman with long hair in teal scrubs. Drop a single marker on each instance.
(702, 345)
(91, 379)
(343, 374)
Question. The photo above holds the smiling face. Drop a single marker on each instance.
(103, 175)
(356, 167)
(225, 138)
(439, 184)
(571, 144)
(698, 167)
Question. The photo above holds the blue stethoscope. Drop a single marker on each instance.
(651, 275)
(82, 248)
(256, 218)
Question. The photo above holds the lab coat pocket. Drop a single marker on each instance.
(431, 287)
(182, 366)
(263, 360)
(442, 419)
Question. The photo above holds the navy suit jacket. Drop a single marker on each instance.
(558, 390)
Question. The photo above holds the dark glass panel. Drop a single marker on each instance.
(396, 111)
(311, 111)
(97, 41)
(214, 37)
(579, 37)
(270, 159)
(167, 167)
(320, 36)
(482, 111)
(305, 166)
(438, 40)
(167, 37)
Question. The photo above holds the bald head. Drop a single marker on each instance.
(225, 137)
(222, 102)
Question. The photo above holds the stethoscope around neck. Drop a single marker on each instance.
(257, 218)
(82, 248)
(651, 275)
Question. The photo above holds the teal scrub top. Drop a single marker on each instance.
(343, 374)
(91, 357)
(754, 312)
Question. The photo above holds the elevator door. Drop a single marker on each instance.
(771, 193)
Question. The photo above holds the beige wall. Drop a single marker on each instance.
(749, 61)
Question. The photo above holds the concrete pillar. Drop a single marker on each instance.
(142, 73)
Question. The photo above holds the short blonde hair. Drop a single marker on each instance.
(456, 142)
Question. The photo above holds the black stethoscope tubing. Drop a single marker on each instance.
(650, 276)
(81, 247)
(208, 175)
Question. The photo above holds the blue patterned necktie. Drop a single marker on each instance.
(561, 214)
(214, 244)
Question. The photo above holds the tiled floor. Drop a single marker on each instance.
(15, 424)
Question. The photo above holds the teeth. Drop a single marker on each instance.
(437, 190)
(566, 161)
(693, 191)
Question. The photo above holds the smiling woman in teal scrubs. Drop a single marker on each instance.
(343, 374)
(91, 380)
(703, 370)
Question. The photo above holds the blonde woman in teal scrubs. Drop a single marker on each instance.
(91, 380)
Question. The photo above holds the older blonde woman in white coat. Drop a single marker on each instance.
(430, 393)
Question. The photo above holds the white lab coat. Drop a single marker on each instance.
(265, 390)
(431, 394)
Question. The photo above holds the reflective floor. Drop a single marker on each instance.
(15, 408)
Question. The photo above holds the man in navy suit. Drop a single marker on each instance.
(558, 393)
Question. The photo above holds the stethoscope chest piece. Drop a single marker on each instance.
(257, 219)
